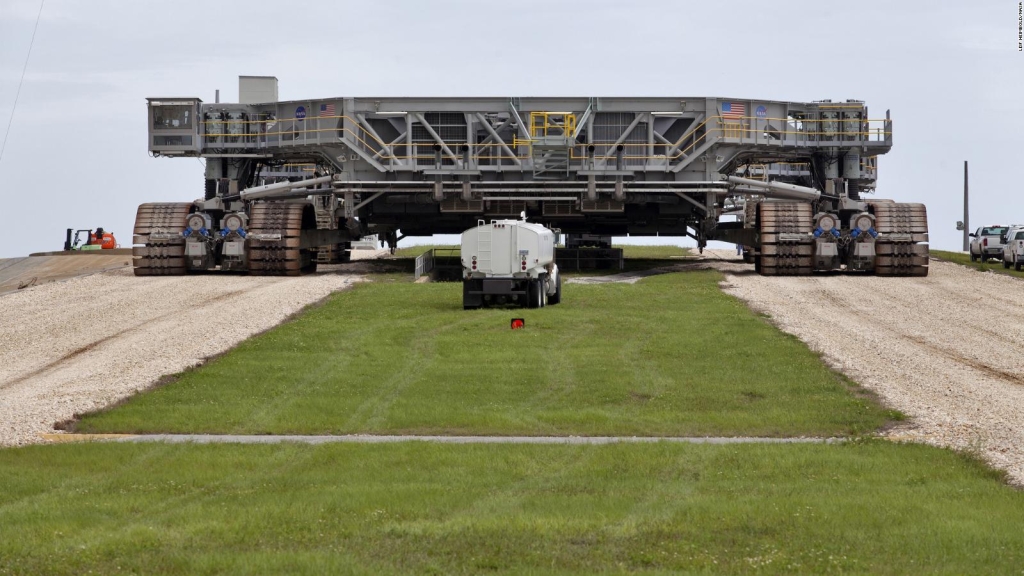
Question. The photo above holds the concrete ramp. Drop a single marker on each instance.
(20, 273)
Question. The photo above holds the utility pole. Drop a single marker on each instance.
(967, 223)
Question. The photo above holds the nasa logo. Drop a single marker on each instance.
(300, 112)
(761, 112)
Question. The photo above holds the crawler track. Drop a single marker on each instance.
(901, 248)
(157, 228)
(786, 245)
(275, 230)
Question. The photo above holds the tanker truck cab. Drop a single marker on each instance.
(509, 262)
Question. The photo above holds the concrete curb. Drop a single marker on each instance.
(382, 439)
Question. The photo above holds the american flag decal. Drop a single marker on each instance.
(733, 110)
(326, 110)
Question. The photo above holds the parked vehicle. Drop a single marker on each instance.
(987, 242)
(99, 240)
(509, 262)
(1013, 248)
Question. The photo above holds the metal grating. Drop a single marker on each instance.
(460, 205)
(562, 209)
(505, 207)
(602, 206)
(450, 126)
(608, 126)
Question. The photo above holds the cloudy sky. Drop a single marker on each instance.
(76, 156)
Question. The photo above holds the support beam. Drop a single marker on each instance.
(408, 141)
(280, 188)
(440, 142)
(650, 135)
(494, 134)
(622, 137)
(355, 147)
(519, 121)
(687, 160)
(494, 131)
(682, 139)
(367, 201)
(390, 147)
(777, 189)
(582, 120)
(692, 201)
(369, 128)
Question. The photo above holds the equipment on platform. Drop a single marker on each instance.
(509, 262)
(292, 184)
(86, 239)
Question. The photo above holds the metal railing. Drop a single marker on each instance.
(543, 124)
(317, 130)
(440, 259)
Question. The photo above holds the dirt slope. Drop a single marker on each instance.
(946, 350)
(78, 345)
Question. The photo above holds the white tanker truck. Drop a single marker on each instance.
(509, 262)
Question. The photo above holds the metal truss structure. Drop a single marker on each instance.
(692, 166)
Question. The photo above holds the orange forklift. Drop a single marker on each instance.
(99, 240)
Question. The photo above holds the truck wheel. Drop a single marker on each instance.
(1017, 266)
(973, 257)
(1006, 264)
(557, 298)
(470, 301)
(533, 294)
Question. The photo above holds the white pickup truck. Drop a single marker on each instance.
(987, 242)
(1013, 248)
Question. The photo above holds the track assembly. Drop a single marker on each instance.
(275, 231)
(158, 228)
(901, 247)
(786, 242)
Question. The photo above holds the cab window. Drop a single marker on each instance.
(172, 118)
(993, 231)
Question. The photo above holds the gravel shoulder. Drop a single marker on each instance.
(87, 342)
(942, 349)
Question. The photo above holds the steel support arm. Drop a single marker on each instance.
(777, 189)
(281, 188)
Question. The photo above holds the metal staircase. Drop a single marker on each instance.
(550, 157)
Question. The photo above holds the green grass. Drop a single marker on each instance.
(965, 260)
(654, 252)
(416, 508)
(670, 355)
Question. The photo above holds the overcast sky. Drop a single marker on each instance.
(76, 157)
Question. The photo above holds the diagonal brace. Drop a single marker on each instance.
(430, 130)
(494, 134)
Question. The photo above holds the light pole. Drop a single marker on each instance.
(967, 223)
